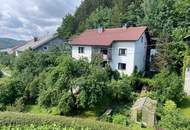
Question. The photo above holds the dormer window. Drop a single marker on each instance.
(45, 48)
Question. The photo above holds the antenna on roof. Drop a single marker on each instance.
(100, 29)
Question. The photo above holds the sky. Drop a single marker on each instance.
(24, 19)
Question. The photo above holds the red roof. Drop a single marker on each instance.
(105, 38)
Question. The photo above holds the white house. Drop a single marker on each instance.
(123, 48)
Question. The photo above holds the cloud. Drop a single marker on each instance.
(22, 19)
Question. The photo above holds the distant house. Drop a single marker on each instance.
(123, 48)
(40, 44)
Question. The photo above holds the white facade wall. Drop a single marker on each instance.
(140, 53)
(128, 59)
(87, 52)
(136, 54)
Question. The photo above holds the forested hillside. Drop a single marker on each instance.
(9, 43)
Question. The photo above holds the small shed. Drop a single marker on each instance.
(144, 111)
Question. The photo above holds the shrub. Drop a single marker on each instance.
(168, 86)
(171, 119)
(17, 107)
(119, 119)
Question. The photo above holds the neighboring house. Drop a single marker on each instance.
(123, 48)
(41, 44)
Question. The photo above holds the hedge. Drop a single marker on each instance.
(12, 118)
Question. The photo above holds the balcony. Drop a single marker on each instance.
(106, 57)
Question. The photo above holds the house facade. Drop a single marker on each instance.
(41, 44)
(123, 48)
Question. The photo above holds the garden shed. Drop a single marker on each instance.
(144, 111)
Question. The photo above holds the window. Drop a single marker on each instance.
(81, 49)
(45, 48)
(122, 52)
(122, 66)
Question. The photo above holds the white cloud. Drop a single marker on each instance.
(22, 19)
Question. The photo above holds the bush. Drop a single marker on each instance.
(168, 86)
(10, 118)
(171, 119)
(119, 119)
(121, 90)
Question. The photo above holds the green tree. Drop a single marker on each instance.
(171, 118)
(67, 27)
(166, 86)
(10, 91)
(121, 90)
(100, 17)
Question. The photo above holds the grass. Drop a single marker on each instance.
(137, 127)
(185, 107)
(35, 109)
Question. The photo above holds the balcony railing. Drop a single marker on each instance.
(106, 57)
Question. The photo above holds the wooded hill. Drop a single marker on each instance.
(9, 43)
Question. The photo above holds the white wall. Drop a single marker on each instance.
(136, 55)
(140, 53)
(87, 52)
(128, 59)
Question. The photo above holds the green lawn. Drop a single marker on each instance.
(35, 109)
(137, 127)
(185, 107)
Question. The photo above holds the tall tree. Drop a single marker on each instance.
(67, 27)
(100, 17)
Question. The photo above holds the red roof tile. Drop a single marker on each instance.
(93, 37)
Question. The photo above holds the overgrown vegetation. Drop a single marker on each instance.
(57, 82)
(18, 119)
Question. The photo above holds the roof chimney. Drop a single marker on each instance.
(100, 29)
(125, 26)
(35, 39)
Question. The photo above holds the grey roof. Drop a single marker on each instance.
(33, 45)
